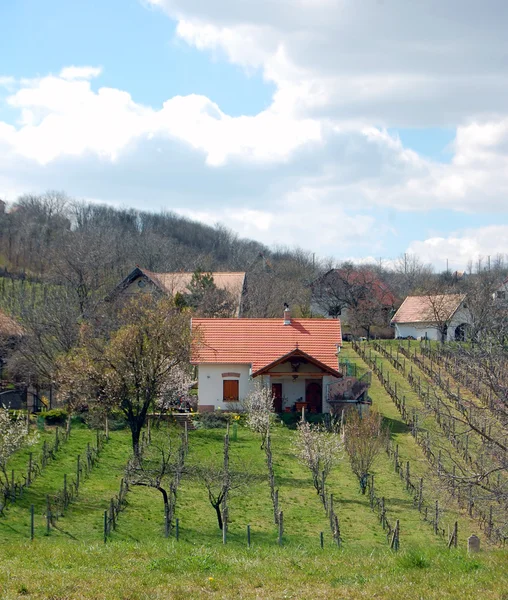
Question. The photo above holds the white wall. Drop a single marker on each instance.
(421, 330)
(210, 387)
(416, 330)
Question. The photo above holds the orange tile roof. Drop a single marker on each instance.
(174, 283)
(261, 341)
(9, 327)
(428, 309)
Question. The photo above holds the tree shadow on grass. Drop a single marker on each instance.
(395, 425)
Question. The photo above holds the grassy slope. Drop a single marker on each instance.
(139, 562)
(409, 449)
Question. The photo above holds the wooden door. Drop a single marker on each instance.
(277, 397)
(314, 397)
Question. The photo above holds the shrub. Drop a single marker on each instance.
(212, 420)
(290, 419)
(55, 416)
(117, 420)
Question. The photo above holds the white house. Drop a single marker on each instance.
(501, 293)
(297, 358)
(436, 317)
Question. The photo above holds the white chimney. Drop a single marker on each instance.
(287, 315)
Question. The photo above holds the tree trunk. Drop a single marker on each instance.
(136, 433)
(219, 514)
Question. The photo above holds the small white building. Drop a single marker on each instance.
(296, 358)
(501, 293)
(443, 317)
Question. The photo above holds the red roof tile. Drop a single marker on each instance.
(261, 341)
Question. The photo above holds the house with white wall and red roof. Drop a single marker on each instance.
(296, 358)
(443, 317)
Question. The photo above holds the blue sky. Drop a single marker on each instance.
(381, 126)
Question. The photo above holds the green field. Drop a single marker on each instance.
(137, 562)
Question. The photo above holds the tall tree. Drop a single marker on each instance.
(132, 367)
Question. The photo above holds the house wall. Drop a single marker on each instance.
(501, 294)
(210, 387)
(134, 288)
(293, 390)
(429, 330)
(416, 330)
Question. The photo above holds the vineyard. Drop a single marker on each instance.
(71, 527)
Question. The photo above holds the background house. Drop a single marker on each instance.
(442, 317)
(501, 292)
(297, 358)
(220, 294)
(12, 395)
(358, 296)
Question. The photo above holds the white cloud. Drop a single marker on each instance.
(6, 82)
(64, 116)
(72, 73)
(461, 247)
(392, 62)
(274, 176)
(315, 166)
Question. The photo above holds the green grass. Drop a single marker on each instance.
(409, 449)
(138, 562)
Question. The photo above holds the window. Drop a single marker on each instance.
(230, 390)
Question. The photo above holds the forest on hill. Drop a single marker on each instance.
(60, 258)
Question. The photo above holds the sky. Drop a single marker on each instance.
(356, 130)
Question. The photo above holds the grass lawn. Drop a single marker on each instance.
(138, 562)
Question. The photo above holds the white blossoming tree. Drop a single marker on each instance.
(318, 450)
(13, 435)
(259, 408)
(176, 386)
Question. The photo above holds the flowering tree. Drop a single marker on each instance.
(133, 366)
(259, 408)
(175, 387)
(364, 437)
(13, 435)
(318, 450)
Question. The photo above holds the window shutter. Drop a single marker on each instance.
(230, 390)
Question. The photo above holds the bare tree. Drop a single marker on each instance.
(355, 293)
(219, 481)
(364, 437)
(161, 467)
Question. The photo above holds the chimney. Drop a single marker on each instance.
(287, 314)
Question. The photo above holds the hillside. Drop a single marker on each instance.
(137, 561)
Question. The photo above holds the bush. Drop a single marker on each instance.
(212, 420)
(117, 420)
(291, 419)
(55, 416)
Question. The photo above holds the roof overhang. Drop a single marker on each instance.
(297, 353)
